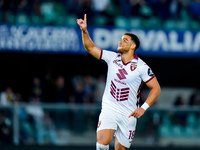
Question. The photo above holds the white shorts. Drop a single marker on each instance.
(124, 126)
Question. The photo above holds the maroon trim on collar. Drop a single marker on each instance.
(125, 63)
(135, 57)
(101, 55)
(150, 79)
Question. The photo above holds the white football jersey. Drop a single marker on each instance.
(123, 82)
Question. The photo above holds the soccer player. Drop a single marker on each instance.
(126, 73)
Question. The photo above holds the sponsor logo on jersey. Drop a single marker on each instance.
(122, 73)
(116, 62)
(120, 82)
(119, 94)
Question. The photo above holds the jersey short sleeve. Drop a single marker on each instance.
(107, 55)
(146, 73)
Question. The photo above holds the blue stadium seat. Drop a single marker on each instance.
(70, 20)
(190, 131)
(177, 130)
(100, 20)
(194, 25)
(10, 17)
(36, 20)
(169, 24)
(191, 119)
(165, 129)
(135, 22)
(153, 23)
(121, 22)
(182, 25)
(22, 19)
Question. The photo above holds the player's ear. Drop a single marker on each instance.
(133, 46)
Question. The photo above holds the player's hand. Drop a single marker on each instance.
(82, 23)
(137, 113)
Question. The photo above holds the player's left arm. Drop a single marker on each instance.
(154, 93)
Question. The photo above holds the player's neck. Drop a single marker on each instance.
(127, 57)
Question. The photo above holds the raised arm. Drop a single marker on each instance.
(87, 42)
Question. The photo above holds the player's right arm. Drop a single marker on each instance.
(87, 42)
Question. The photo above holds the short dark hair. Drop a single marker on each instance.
(134, 38)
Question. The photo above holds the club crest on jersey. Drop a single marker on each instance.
(133, 67)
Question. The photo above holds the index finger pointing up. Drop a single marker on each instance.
(85, 17)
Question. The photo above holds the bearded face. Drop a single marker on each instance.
(125, 44)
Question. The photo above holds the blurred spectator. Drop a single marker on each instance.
(43, 125)
(18, 98)
(125, 7)
(100, 7)
(179, 117)
(85, 8)
(36, 112)
(36, 90)
(175, 8)
(49, 131)
(10, 5)
(89, 86)
(72, 7)
(79, 115)
(5, 130)
(100, 85)
(194, 99)
(185, 10)
(105, 12)
(179, 101)
(195, 9)
(145, 10)
(2, 10)
(7, 97)
(23, 6)
(2, 5)
(26, 130)
(60, 91)
(34, 109)
(36, 7)
(61, 97)
(48, 88)
(101, 13)
(162, 9)
(136, 6)
(48, 12)
(78, 92)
